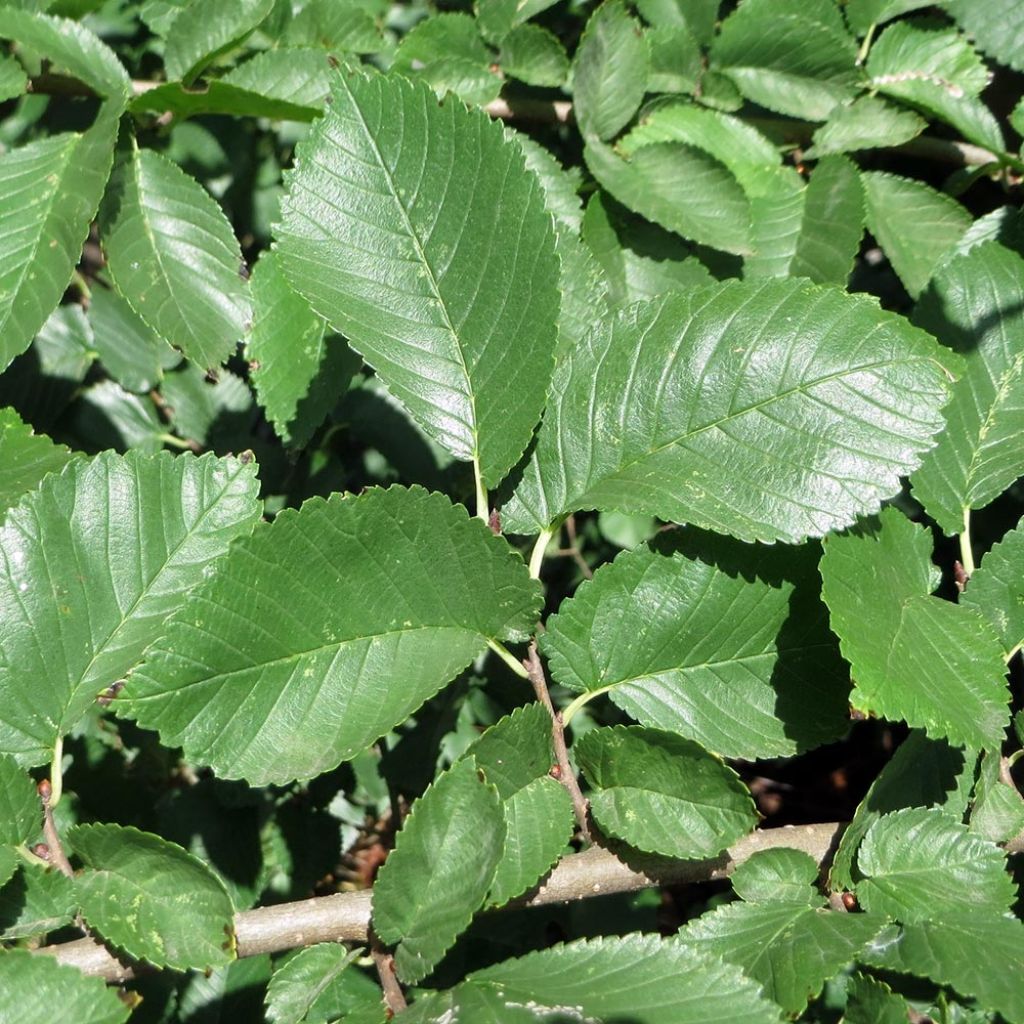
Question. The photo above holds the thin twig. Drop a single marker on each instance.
(535, 672)
(385, 964)
(345, 916)
(57, 855)
(573, 550)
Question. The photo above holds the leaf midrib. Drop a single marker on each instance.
(431, 276)
(731, 417)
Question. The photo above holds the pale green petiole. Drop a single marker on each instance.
(509, 658)
(582, 699)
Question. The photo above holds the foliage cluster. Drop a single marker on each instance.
(435, 441)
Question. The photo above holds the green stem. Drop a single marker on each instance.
(509, 658)
(174, 442)
(582, 699)
(539, 547)
(82, 285)
(482, 511)
(27, 855)
(56, 773)
(966, 551)
(862, 53)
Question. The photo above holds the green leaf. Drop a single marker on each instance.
(697, 16)
(481, 1006)
(35, 986)
(20, 811)
(915, 225)
(870, 1001)
(997, 27)
(453, 297)
(70, 47)
(866, 123)
(936, 665)
(640, 978)
(446, 50)
(539, 823)
(107, 416)
(25, 458)
(561, 196)
(9, 864)
(338, 27)
(13, 80)
(862, 14)
(311, 986)
(779, 875)
(49, 191)
(676, 60)
(639, 259)
(223, 97)
(975, 305)
(83, 603)
(832, 225)
(685, 645)
(723, 425)
(791, 949)
(174, 257)
(204, 411)
(440, 870)
(932, 67)
(997, 589)
(921, 863)
(609, 71)
(516, 750)
(130, 352)
(151, 898)
(980, 955)
(998, 810)
(296, 75)
(534, 55)
(34, 901)
(679, 187)
(355, 611)
(663, 794)
(922, 773)
(205, 30)
(793, 58)
(299, 371)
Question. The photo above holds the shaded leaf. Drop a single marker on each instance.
(440, 870)
(343, 602)
(151, 898)
(934, 664)
(207, 28)
(780, 875)
(870, 1001)
(516, 750)
(791, 949)
(539, 822)
(534, 55)
(49, 191)
(684, 645)
(25, 458)
(94, 561)
(862, 14)
(436, 261)
(296, 75)
(997, 28)
(130, 351)
(997, 589)
(299, 371)
(107, 416)
(980, 955)
(673, 184)
(609, 71)
(34, 901)
(934, 68)
(723, 383)
(13, 80)
(867, 123)
(998, 810)
(310, 986)
(33, 986)
(915, 225)
(921, 863)
(922, 773)
(174, 257)
(21, 813)
(663, 794)
(975, 305)
(70, 47)
(793, 58)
